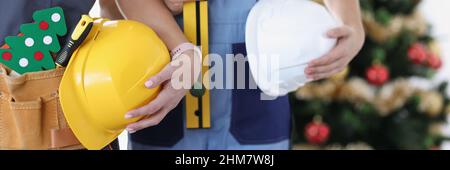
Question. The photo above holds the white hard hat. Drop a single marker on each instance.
(282, 36)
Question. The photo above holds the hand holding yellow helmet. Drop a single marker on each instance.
(105, 78)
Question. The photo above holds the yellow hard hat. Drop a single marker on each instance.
(105, 79)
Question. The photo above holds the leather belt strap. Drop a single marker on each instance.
(198, 114)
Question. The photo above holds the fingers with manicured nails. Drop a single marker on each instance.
(164, 75)
(153, 120)
(348, 44)
(154, 106)
(148, 109)
(165, 102)
(326, 68)
(323, 75)
(337, 51)
(330, 57)
(157, 109)
(328, 64)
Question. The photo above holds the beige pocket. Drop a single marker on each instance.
(30, 112)
(21, 124)
(28, 125)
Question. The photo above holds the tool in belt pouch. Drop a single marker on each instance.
(95, 90)
(31, 116)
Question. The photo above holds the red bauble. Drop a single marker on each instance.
(6, 56)
(377, 75)
(317, 132)
(434, 61)
(43, 25)
(417, 53)
(38, 56)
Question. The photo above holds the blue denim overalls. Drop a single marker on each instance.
(239, 119)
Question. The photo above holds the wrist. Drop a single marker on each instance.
(185, 48)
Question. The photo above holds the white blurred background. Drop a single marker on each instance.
(437, 12)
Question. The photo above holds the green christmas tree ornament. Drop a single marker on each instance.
(31, 51)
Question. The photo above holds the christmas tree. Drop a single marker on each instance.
(374, 101)
(30, 51)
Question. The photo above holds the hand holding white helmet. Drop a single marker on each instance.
(282, 36)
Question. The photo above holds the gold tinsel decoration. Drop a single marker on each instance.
(381, 33)
(356, 90)
(393, 96)
(321, 90)
(431, 103)
(389, 98)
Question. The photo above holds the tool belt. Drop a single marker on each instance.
(30, 112)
